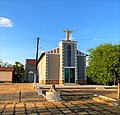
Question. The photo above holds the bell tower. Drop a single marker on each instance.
(68, 59)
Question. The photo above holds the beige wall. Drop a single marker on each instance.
(53, 66)
(6, 76)
(42, 68)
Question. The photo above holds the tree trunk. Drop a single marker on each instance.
(119, 91)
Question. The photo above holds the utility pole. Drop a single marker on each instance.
(35, 73)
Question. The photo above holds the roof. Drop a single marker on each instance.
(55, 50)
(6, 68)
(30, 61)
(81, 53)
(41, 57)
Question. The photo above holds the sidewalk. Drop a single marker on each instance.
(32, 104)
(82, 107)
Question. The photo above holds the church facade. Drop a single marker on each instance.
(64, 64)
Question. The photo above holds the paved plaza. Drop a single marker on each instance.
(32, 104)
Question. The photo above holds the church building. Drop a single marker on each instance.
(62, 65)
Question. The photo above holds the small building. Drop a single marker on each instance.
(29, 70)
(64, 64)
(6, 74)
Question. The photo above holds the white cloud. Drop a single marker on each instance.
(5, 22)
(71, 37)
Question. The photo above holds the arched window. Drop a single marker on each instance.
(69, 51)
(31, 72)
(69, 55)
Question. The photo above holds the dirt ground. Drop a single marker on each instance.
(15, 87)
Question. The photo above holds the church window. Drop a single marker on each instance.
(69, 55)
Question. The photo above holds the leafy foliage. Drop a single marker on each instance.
(104, 63)
(4, 64)
(19, 72)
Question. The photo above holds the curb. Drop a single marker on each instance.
(109, 101)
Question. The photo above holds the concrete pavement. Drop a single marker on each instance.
(32, 104)
(81, 107)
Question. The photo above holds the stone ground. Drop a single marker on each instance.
(32, 104)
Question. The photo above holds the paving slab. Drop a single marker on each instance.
(32, 104)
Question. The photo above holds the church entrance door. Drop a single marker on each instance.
(69, 75)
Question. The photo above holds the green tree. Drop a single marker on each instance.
(104, 63)
(19, 72)
(5, 64)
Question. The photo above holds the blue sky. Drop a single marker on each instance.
(93, 22)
